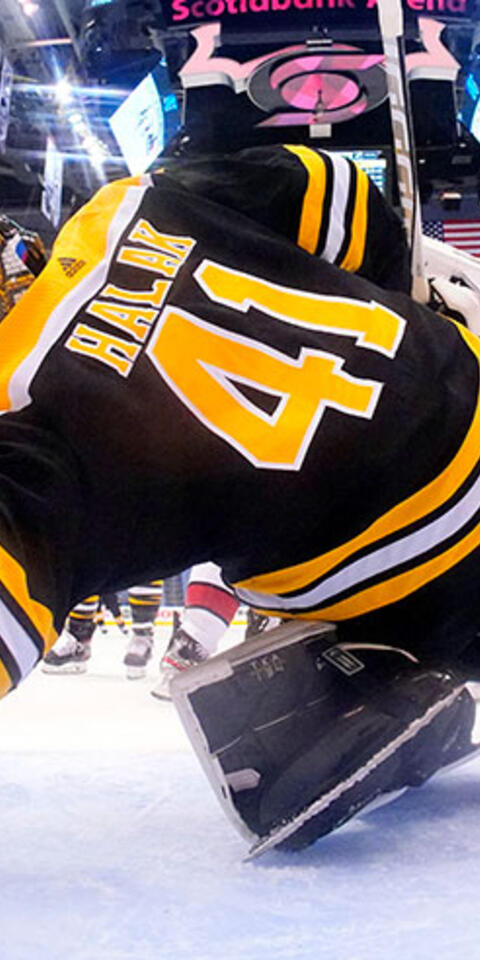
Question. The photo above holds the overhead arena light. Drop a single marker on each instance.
(63, 91)
(29, 7)
(451, 199)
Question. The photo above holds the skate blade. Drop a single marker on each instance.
(161, 690)
(136, 673)
(65, 668)
(161, 695)
(291, 826)
(274, 838)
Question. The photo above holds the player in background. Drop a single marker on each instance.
(110, 606)
(209, 609)
(144, 602)
(73, 649)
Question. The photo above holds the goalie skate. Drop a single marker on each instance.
(386, 775)
(298, 733)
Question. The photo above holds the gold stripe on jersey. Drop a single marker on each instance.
(405, 583)
(22, 328)
(12, 576)
(318, 203)
(5, 681)
(311, 217)
(389, 591)
(415, 508)
(353, 258)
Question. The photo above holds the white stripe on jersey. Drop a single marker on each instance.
(386, 558)
(17, 641)
(63, 313)
(342, 175)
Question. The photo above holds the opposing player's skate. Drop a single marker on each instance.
(68, 655)
(258, 622)
(182, 653)
(298, 732)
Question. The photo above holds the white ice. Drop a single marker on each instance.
(114, 847)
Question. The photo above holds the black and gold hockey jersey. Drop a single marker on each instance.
(321, 201)
(183, 384)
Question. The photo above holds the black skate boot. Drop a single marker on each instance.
(182, 653)
(258, 622)
(68, 655)
(139, 650)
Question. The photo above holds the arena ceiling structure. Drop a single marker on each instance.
(51, 95)
(289, 69)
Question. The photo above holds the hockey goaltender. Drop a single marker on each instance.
(221, 361)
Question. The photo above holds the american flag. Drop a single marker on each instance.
(463, 234)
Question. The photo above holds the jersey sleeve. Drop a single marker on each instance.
(323, 202)
(344, 219)
(39, 523)
(340, 215)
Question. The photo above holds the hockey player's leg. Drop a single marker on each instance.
(257, 622)
(197, 636)
(110, 604)
(182, 653)
(208, 611)
(298, 733)
(73, 649)
(144, 601)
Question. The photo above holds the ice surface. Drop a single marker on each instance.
(114, 847)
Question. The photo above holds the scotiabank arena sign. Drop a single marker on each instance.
(287, 14)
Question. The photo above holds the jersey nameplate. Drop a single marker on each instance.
(161, 254)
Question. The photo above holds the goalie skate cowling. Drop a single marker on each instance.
(298, 733)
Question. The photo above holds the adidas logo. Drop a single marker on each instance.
(70, 266)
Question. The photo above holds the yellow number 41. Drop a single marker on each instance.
(207, 366)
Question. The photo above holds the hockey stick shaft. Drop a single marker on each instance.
(390, 16)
